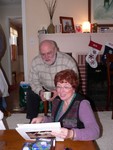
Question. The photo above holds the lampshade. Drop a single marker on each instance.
(86, 27)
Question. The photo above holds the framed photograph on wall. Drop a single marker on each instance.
(67, 24)
(100, 11)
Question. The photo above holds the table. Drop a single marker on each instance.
(11, 140)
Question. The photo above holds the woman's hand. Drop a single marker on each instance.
(63, 133)
(37, 120)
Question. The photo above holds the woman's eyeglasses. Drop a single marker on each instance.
(65, 87)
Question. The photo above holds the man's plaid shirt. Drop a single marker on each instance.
(42, 75)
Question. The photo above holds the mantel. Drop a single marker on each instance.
(77, 43)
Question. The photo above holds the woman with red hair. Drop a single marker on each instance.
(71, 109)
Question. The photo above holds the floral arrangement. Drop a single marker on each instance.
(51, 5)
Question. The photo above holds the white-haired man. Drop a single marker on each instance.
(43, 69)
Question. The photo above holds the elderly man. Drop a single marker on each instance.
(41, 77)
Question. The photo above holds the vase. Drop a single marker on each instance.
(51, 27)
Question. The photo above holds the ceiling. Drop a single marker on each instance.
(10, 2)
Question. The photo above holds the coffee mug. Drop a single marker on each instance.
(47, 95)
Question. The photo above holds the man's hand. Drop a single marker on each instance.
(41, 93)
(54, 94)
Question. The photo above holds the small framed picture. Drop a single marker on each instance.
(105, 28)
(67, 24)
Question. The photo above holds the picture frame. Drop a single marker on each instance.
(105, 28)
(32, 131)
(97, 13)
(67, 24)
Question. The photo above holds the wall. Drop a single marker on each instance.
(7, 12)
(35, 16)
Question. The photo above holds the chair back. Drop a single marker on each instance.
(109, 64)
